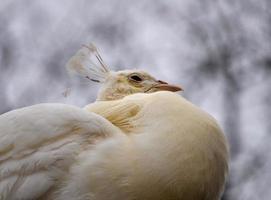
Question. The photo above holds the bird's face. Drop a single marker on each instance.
(88, 63)
(123, 83)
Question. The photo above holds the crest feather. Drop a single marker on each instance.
(88, 63)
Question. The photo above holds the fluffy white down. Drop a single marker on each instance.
(156, 146)
(39, 143)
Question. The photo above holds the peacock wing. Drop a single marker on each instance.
(39, 143)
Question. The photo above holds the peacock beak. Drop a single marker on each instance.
(162, 85)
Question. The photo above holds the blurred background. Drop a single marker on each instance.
(219, 51)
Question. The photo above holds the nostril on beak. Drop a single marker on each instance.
(162, 82)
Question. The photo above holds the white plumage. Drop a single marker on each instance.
(142, 146)
(39, 143)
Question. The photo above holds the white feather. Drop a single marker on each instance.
(88, 63)
(160, 147)
(39, 143)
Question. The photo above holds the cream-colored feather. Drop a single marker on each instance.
(160, 147)
(121, 115)
(38, 144)
(174, 150)
(88, 63)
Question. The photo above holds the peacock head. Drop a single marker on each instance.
(88, 63)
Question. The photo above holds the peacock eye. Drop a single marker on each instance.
(135, 78)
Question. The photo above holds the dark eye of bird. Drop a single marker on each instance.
(136, 78)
